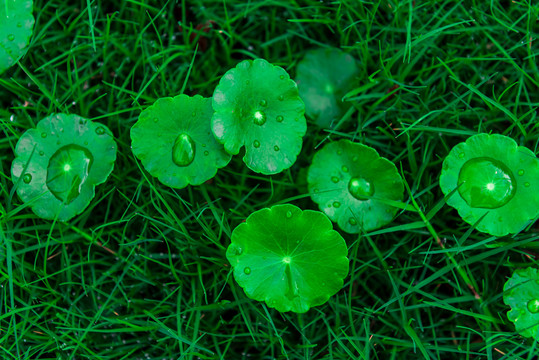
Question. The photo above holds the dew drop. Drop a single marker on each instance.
(289, 214)
(259, 118)
(521, 172)
(206, 153)
(27, 178)
(360, 188)
(533, 306)
(99, 131)
(280, 97)
(247, 270)
(486, 183)
(280, 118)
(43, 134)
(337, 204)
(239, 251)
(194, 114)
(19, 25)
(355, 158)
(276, 148)
(527, 184)
(335, 179)
(323, 284)
(281, 77)
(256, 144)
(339, 152)
(11, 37)
(352, 221)
(345, 168)
(155, 120)
(263, 102)
(184, 150)
(41, 153)
(461, 155)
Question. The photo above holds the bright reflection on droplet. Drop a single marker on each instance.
(490, 186)
(258, 115)
(287, 260)
(67, 167)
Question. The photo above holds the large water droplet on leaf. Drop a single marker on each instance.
(183, 151)
(360, 188)
(486, 183)
(533, 306)
(67, 171)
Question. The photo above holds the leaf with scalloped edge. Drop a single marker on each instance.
(16, 26)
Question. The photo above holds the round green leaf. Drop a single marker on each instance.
(495, 179)
(16, 25)
(354, 186)
(289, 258)
(58, 164)
(173, 140)
(521, 293)
(324, 76)
(257, 105)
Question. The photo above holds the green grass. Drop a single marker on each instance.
(142, 273)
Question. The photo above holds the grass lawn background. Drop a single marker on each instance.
(142, 273)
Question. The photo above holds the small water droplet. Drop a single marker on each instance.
(194, 114)
(280, 97)
(256, 144)
(345, 168)
(339, 152)
(335, 179)
(43, 134)
(27, 178)
(337, 204)
(486, 183)
(11, 37)
(461, 155)
(263, 102)
(281, 77)
(41, 153)
(203, 145)
(323, 284)
(206, 153)
(184, 150)
(247, 270)
(355, 158)
(155, 120)
(276, 148)
(239, 251)
(289, 214)
(533, 306)
(521, 172)
(19, 24)
(99, 131)
(280, 118)
(352, 221)
(315, 190)
(527, 184)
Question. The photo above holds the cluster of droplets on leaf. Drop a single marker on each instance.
(486, 183)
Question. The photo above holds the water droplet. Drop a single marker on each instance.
(11, 37)
(43, 134)
(259, 118)
(352, 221)
(194, 114)
(100, 130)
(19, 24)
(521, 172)
(280, 118)
(315, 190)
(323, 284)
(281, 77)
(256, 144)
(486, 183)
(335, 179)
(461, 155)
(27, 178)
(247, 270)
(155, 120)
(337, 204)
(533, 306)
(345, 168)
(339, 152)
(280, 97)
(41, 153)
(360, 188)
(355, 158)
(204, 145)
(239, 251)
(527, 184)
(183, 151)
(263, 102)
(66, 179)
(276, 148)
(289, 214)
(206, 153)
